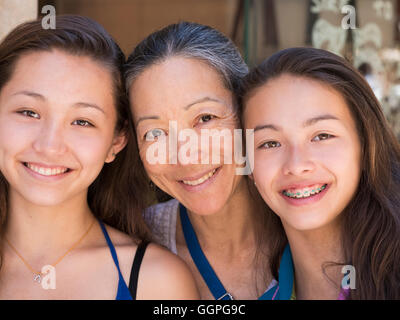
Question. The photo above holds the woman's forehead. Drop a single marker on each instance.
(178, 82)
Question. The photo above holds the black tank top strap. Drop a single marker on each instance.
(137, 261)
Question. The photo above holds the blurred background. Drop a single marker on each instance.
(368, 36)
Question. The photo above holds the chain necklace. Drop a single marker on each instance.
(38, 274)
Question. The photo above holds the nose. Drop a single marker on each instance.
(298, 161)
(188, 147)
(205, 147)
(50, 140)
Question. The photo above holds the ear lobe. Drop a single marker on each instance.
(110, 157)
(119, 143)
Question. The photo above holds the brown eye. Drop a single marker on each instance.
(270, 144)
(82, 123)
(206, 118)
(322, 136)
(29, 113)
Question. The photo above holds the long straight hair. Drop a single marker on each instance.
(371, 221)
(116, 196)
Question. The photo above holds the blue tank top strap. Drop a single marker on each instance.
(284, 288)
(123, 292)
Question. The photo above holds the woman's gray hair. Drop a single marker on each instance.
(190, 40)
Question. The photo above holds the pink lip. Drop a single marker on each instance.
(44, 178)
(306, 201)
(201, 186)
(197, 176)
(301, 185)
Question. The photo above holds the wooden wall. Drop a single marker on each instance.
(129, 21)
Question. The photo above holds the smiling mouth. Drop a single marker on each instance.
(305, 192)
(200, 180)
(45, 171)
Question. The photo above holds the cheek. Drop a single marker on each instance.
(220, 149)
(348, 174)
(158, 174)
(151, 155)
(154, 171)
(343, 161)
(266, 167)
(13, 131)
(14, 138)
(90, 149)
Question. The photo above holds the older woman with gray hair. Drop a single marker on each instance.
(186, 77)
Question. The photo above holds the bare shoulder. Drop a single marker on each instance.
(163, 275)
(118, 237)
(125, 247)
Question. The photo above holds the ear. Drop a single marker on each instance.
(118, 144)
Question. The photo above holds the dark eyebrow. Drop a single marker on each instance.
(41, 97)
(267, 126)
(203, 100)
(186, 108)
(88, 105)
(30, 94)
(306, 123)
(312, 121)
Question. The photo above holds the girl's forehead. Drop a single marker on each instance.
(293, 100)
(59, 73)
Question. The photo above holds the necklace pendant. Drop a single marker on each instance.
(37, 278)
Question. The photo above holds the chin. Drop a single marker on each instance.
(205, 208)
(43, 199)
(308, 222)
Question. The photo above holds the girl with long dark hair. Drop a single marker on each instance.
(328, 165)
(70, 205)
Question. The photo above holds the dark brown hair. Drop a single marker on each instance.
(371, 221)
(116, 195)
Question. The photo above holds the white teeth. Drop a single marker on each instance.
(46, 171)
(304, 193)
(201, 180)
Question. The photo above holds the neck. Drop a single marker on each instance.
(311, 249)
(230, 229)
(34, 228)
